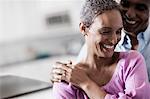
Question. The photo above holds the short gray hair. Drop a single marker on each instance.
(93, 8)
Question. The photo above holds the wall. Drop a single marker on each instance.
(21, 19)
(24, 32)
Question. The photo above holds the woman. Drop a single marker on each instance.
(102, 73)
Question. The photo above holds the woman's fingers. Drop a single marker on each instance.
(58, 71)
(66, 67)
(61, 71)
(70, 62)
(57, 78)
(60, 65)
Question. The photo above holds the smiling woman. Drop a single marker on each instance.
(102, 35)
(102, 73)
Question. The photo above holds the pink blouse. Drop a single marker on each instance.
(130, 81)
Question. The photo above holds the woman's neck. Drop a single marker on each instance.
(99, 62)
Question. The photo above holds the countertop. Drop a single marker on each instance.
(39, 70)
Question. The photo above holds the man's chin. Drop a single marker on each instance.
(129, 30)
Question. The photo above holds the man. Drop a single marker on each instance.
(136, 36)
(136, 33)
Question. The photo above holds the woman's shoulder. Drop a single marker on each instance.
(132, 63)
(65, 90)
(65, 87)
(132, 54)
(131, 59)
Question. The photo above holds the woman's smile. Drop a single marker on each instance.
(109, 46)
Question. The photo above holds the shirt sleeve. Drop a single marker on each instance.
(135, 79)
(63, 91)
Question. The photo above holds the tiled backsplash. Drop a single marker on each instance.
(26, 50)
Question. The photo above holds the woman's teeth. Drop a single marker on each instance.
(108, 46)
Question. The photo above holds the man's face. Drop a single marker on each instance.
(135, 15)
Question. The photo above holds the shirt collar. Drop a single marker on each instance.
(146, 34)
(143, 36)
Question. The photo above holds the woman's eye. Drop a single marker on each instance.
(105, 32)
(118, 32)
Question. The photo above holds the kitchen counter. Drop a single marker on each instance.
(39, 70)
(43, 94)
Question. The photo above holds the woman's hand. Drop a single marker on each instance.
(58, 72)
(75, 74)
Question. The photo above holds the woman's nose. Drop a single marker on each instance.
(114, 38)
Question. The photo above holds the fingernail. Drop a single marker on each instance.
(59, 80)
(70, 62)
(63, 74)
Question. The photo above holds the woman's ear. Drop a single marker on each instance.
(83, 28)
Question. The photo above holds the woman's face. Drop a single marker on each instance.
(104, 33)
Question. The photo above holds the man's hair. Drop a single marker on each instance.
(92, 8)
